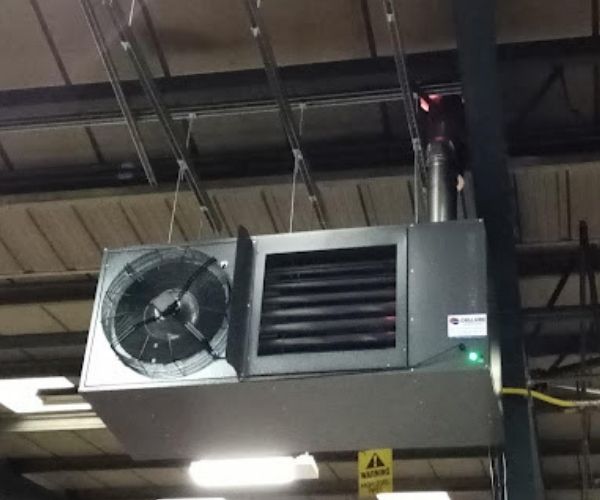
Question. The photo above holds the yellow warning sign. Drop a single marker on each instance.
(375, 472)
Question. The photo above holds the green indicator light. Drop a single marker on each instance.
(475, 357)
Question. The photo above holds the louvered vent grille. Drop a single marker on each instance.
(329, 301)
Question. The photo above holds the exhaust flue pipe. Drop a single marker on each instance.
(443, 123)
(442, 181)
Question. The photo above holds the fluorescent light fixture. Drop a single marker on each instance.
(21, 395)
(253, 471)
(416, 495)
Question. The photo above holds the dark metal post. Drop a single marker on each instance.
(585, 272)
(475, 31)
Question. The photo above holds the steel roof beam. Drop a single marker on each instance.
(239, 92)
(369, 153)
(15, 487)
(545, 344)
(37, 465)
(43, 340)
(562, 322)
(330, 158)
(301, 488)
(537, 260)
(123, 462)
(50, 422)
(316, 85)
(65, 367)
(480, 484)
(49, 291)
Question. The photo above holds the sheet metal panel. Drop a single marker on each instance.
(271, 417)
(447, 276)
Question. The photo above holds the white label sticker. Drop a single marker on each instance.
(467, 325)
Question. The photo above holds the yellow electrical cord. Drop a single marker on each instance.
(562, 403)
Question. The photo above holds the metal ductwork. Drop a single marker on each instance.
(442, 183)
(444, 127)
(276, 344)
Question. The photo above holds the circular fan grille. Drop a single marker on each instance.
(166, 313)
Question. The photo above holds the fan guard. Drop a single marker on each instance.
(166, 313)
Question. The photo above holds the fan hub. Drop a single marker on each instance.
(167, 304)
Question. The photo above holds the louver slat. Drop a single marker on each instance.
(329, 301)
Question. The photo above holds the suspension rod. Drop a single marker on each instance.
(132, 49)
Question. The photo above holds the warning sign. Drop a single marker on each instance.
(375, 472)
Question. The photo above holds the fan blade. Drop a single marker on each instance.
(200, 336)
(195, 275)
(144, 347)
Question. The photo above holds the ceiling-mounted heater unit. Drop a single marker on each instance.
(317, 341)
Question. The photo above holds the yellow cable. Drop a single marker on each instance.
(562, 403)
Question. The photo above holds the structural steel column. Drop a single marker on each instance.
(476, 38)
